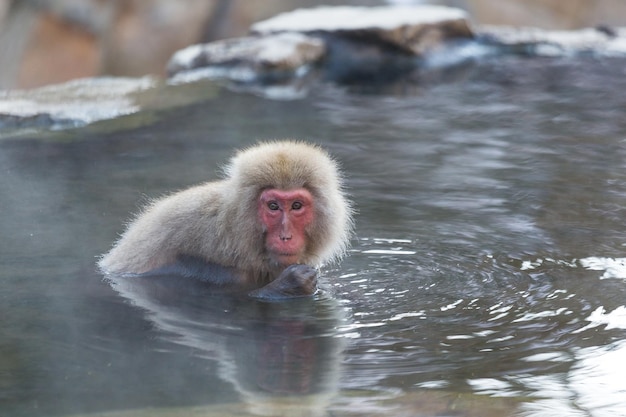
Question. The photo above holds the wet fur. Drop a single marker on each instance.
(217, 222)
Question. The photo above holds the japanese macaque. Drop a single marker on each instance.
(279, 213)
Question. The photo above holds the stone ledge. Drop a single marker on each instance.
(413, 29)
(604, 41)
(345, 42)
(274, 54)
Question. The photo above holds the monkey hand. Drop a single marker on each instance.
(295, 281)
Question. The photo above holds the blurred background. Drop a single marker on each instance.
(50, 41)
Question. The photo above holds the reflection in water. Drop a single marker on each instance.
(283, 358)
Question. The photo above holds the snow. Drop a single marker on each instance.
(184, 58)
(355, 18)
(283, 46)
(561, 42)
(81, 101)
(290, 49)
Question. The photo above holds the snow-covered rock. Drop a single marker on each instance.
(345, 43)
(414, 29)
(603, 41)
(75, 103)
(248, 58)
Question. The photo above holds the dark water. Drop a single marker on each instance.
(487, 277)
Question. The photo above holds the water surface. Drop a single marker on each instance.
(486, 277)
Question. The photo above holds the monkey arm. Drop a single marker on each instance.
(195, 268)
(295, 281)
(191, 272)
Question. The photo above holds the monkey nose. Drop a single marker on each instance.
(284, 238)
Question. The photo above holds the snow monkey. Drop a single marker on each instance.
(276, 216)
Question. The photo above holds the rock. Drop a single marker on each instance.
(75, 103)
(602, 41)
(58, 51)
(142, 35)
(413, 29)
(39, 46)
(107, 103)
(52, 41)
(350, 44)
(252, 58)
(547, 14)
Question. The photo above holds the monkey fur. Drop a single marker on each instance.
(217, 222)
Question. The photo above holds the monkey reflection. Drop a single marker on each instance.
(283, 359)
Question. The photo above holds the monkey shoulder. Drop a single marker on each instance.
(200, 200)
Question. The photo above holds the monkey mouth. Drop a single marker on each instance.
(287, 255)
(287, 258)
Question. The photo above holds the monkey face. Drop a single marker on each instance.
(285, 215)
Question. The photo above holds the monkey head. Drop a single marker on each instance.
(296, 191)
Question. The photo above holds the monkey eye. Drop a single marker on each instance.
(297, 205)
(273, 205)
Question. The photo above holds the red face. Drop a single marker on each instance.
(285, 215)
